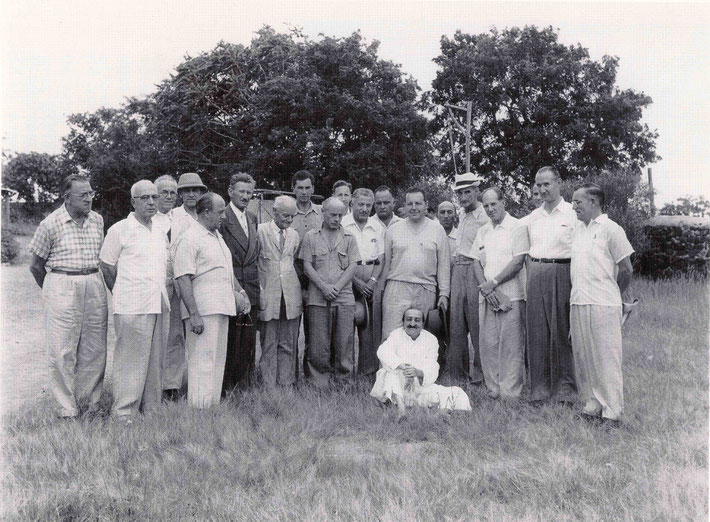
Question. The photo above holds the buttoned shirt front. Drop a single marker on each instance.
(393, 220)
(495, 247)
(329, 262)
(597, 249)
(163, 221)
(370, 239)
(469, 224)
(181, 220)
(241, 217)
(421, 353)
(140, 255)
(304, 222)
(66, 245)
(551, 233)
(277, 273)
(204, 256)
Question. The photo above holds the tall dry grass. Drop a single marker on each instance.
(302, 454)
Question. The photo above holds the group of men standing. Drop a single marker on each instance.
(192, 285)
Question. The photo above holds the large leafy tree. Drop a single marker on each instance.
(536, 102)
(286, 103)
(37, 177)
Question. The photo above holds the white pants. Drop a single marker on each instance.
(76, 318)
(502, 344)
(596, 343)
(138, 362)
(206, 354)
(389, 383)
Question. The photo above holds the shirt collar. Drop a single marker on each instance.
(558, 207)
(240, 215)
(65, 216)
(454, 233)
(313, 208)
(506, 223)
(600, 219)
(134, 223)
(274, 228)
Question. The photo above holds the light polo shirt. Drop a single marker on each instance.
(495, 247)
(469, 225)
(241, 217)
(370, 239)
(204, 256)
(551, 233)
(393, 220)
(66, 245)
(597, 249)
(329, 262)
(141, 256)
(163, 221)
(304, 222)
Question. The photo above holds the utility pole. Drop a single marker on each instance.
(650, 186)
(465, 130)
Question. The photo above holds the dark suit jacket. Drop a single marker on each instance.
(245, 252)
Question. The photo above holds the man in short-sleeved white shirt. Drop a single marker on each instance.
(601, 271)
(500, 248)
(369, 234)
(134, 260)
(550, 360)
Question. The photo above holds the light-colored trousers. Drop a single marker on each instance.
(463, 321)
(391, 383)
(76, 318)
(138, 362)
(206, 354)
(596, 342)
(502, 344)
(279, 350)
(398, 297)
(175, 364)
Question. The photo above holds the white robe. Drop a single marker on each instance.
(421, 353)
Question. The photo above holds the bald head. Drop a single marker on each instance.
(141, 187)
(334, 204)
(284, 211)
(144, 198)
(446, 214)
(333, 212)
(285, 203)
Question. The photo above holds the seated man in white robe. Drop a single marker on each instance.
(409, 369)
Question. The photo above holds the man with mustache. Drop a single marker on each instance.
(134, 260)
(240, 235)
(417, 263)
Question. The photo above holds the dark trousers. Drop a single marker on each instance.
(241, 348)
(549, 351)
(330, 354)
(463, 320)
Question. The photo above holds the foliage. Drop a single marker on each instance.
(10, 246)
(286, 103)
(34, 174)
(687, 206)
(676, 250)
(536, 102)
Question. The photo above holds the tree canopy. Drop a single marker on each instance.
(35, 176)
(536, 102)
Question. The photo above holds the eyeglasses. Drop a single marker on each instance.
(84, 195)
(166, 193)
(146, 197)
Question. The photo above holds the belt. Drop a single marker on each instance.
(556, 261)
(85, 271)
(463, 260)
(373, 262)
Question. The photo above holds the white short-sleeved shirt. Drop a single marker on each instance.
(597, 249)
(370, 240)
(163, 221)
(205, 256)
(495, 247)
(181, 220)
(141, 257)
(551, 233)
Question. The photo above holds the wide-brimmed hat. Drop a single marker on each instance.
(362, 312)
(437, 323)
(467, 179)
(190, 180)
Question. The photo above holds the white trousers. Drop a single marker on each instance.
(596, 344)
(502, 345)
(206, 354)
(390, 383)
(76, 318)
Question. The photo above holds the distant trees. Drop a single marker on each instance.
(537, 102)
(687, 206)
(37, 177)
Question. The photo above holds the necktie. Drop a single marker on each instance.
(282, 239)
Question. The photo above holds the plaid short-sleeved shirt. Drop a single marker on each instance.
(66, 245)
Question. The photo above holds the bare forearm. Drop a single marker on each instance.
(510, 271)
(478, 272)
(312, 275)
(109, 272)
(186, 294)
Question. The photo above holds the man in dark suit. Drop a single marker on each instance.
(239, 232)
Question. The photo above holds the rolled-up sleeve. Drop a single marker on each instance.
(185, 260)
(111, 249)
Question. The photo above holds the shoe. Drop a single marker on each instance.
(594, 420)
(610, 424)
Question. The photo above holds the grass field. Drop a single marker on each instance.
(301, 454)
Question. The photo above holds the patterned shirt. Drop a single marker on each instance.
(469, 225)
(306, 221)
(66, 245)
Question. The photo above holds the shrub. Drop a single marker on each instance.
(677, 245)
(10, 247)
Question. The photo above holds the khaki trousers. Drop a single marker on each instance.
(463, 320)
(398, 297)
(502, 343)
(76, 318)
(550, 359)
(596, 341)
(279, 349)
(206, 354)
(138, 362)
(174, 366)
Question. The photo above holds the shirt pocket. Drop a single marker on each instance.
(343, 259)
(320, 258)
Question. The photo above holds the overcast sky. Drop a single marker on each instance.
(62, 57)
